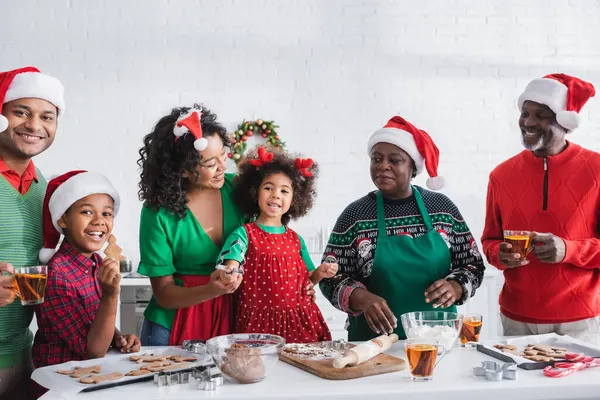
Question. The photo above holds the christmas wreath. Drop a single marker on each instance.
(266, 129)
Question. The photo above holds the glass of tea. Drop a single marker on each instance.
(519, 240)
(421, 354)
(471, 328)
(31, 284)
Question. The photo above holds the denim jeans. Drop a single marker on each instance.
(154, 334)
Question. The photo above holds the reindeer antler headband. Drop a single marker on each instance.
(303, 164)
(264, 157)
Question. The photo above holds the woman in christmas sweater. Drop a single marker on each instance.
(188, 211)
(401, 248)
(272, 257)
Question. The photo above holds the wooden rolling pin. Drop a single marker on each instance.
(365, 351)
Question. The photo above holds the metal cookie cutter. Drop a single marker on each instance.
(171, 378)
(195, 346)
(238, 270)
(208, 377)
(496, 371)
(339, 344)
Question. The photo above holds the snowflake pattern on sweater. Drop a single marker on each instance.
(353, 242)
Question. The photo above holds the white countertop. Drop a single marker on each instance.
(453, 379)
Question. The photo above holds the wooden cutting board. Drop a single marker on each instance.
(380, 364)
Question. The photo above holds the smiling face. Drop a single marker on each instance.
(275, 195)
(540, 132)
(391, 170)
(211, 170)
(88, 223)
(31, 128)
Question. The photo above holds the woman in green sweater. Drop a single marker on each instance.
(188, 211)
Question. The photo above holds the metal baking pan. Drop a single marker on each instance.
(573, 346)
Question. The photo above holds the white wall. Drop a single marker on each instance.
(329, 72)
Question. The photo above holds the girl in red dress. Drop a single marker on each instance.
(272, 257)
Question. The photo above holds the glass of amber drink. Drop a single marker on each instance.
(471, 328)
(520, 242)
(421, 354)
(30, 284)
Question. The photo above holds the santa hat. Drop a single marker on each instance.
(61, 193)
(190, 122)
(417, 143)
(564, 94)
(29, 82)
(362, 241)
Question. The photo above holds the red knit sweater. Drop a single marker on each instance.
(563, 200)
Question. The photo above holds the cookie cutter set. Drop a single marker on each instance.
(207, 375)
(496, 371)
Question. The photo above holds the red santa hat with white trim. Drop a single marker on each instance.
(190, 121)
(61, 193)
(29, 82)
(565, 95)
(417, 143)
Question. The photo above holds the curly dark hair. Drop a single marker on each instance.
(163, 160)
(249, 178)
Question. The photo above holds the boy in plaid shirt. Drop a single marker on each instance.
(76, 321)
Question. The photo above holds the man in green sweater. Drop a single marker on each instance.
(29, 106)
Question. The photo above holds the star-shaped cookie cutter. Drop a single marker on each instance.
(496, 371)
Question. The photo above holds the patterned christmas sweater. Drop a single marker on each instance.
(353, 242)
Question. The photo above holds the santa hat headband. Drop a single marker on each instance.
(29, 82)
(565, 95)
(417, 143)
(190, 122)
(61, 193)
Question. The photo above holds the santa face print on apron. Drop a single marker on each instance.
(365, 258)
(403, 268)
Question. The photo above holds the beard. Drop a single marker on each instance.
(533, 146)
(544, 140)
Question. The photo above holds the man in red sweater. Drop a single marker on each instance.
(553, 190)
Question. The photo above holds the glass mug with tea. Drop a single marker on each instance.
(421, 354)
(30, 284)
(471, 328)
(520, 242)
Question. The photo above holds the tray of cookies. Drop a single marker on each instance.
(536, 351)
(77, 376)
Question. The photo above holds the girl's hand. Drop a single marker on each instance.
(310, 291)
(223, 286)
(328, 270)
(227, 276)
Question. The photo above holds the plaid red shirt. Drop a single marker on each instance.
(70, 304)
